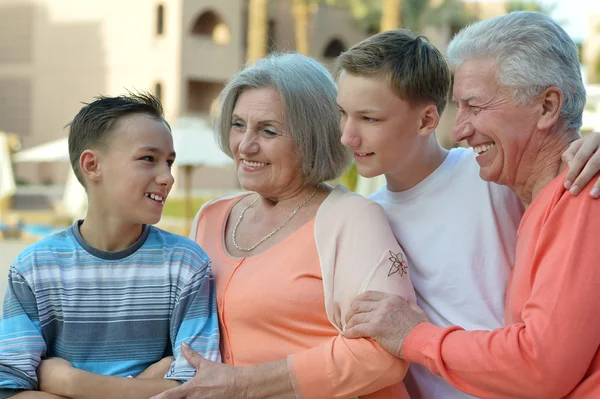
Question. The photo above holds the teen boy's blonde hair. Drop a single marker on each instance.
(415, 70)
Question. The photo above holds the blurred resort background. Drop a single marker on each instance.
(56, 54)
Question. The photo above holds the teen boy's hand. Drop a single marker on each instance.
(583, 158)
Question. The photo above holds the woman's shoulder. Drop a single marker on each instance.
(222, 201)
(343, 206)
(343, 200)
(215, 208)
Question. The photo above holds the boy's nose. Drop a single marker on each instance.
(350, 138)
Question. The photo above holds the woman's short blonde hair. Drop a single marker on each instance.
(312, 115)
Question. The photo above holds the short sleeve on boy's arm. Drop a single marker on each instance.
(195, 321)
(21, 342)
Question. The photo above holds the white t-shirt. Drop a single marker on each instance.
(459, 234)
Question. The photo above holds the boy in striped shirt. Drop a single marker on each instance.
(111, 296)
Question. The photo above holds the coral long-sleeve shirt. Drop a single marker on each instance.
(550, 345)
(272, 305)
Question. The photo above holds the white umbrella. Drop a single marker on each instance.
(74, 200)
(52, 151)
(195, 145)
(7, 177)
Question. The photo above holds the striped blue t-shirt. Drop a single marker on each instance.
(110, 313)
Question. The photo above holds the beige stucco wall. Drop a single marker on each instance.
(591, 48)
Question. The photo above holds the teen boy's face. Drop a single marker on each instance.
(136, 169)
(379, 127)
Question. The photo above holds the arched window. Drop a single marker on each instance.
(158, 91)
(334, 48)
(211, 24)
(160, 20)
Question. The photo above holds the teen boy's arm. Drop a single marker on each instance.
(21, 342)
(194, 320)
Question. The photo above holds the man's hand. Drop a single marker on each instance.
(583, 159)
(212, 380)
(158, 369)
(54, 376)
(386, 318)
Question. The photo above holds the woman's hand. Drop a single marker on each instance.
(212, 380)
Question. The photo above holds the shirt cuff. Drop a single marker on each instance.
(421, 338)
(309, 374)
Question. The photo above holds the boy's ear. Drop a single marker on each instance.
(430, 118)
(89, 163)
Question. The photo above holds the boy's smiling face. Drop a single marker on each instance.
(380, 128)
(135, 170)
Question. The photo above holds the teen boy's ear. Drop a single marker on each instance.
(89, 163)
(430, 118)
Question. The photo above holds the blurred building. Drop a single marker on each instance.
(440, 36)
(56, 54)
(591, 49)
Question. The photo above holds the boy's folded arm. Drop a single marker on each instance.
(86, 385)
(33, 395)
(21, 342)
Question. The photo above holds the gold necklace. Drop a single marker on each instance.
(271, 233)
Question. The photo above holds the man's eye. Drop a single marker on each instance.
(475, 110)
(148, 158)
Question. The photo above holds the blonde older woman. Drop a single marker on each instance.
(291, 254)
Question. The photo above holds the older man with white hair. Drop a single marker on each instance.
(521, 97)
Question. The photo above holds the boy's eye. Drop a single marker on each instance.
(170, 162)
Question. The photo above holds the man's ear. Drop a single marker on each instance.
(551, 101)
(89, 163)
(430, 118)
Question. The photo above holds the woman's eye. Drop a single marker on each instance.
(270, 132)
(237, 125)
